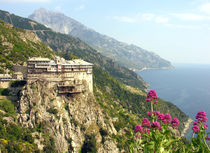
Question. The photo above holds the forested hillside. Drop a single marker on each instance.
(118, 104)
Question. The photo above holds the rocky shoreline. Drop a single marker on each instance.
(187, 126)
(162, 68)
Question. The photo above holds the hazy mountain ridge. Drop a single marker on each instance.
(130, 56)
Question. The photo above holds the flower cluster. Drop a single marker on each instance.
(139, 130)
(201, 116)
(156, 125)
(146, 126)
(153, 113)
(200, 122)
(158, 135)
(175, 123)
(196, 129)
(152, 95)
(146, 122)
(166, 119)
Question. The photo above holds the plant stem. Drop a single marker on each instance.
(206, 144)
(152, 111)
(151, 106)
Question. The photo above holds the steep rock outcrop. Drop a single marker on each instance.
(69, 119)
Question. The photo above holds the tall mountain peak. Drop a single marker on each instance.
(56, 20)
(130, 56)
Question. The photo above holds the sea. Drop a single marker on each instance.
(187, 86)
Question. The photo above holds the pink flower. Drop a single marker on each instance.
(148, 99)
(205, 119)
(175, 123)
(138, 135)
(175, 127)
(201, 116)
(147, 130)
(196, 129)
(167, 116)
(151, 95)
(155, 102)
(156, 125)
(208, 138)
(195, 123)
(146, 122)
(149, 114)
(205, 126)
(167, 119)
(138, 128)
(161, 117)
(156, 113)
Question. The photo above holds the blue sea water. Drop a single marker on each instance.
(187, 86)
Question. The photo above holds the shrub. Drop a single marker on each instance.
(89, 145)
(7, 106)
(53, 111)
(17, 83)
(4, 92)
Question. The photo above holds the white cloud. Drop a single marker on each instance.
(81, 7)
(190, 16)
(25, 1)
(181, 26)
(125, 19)
(205, 8)
(58, 8)
(161, 19)
(147, 16)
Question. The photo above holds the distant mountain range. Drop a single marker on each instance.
(130, 56)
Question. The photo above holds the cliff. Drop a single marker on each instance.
(69, 121)
(35, 117)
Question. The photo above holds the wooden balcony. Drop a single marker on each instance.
(69, 89)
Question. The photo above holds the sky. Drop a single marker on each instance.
(177, 30)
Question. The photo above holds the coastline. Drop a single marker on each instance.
(187, 127)
(162, 68)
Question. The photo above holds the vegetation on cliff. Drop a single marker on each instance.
(17, 45)
(127, 107)
(119, 105)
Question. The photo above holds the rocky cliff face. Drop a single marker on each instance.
(74, 122)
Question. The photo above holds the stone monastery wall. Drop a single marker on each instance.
(70, 76)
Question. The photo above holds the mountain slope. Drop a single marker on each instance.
(130, 56)
(18, 45)
(66, 45)
(59, 122)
